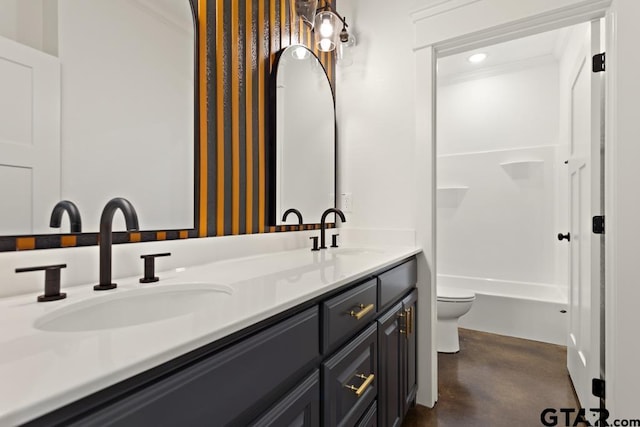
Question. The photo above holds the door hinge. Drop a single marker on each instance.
(598, 224)
(598, 387)
(599, 62)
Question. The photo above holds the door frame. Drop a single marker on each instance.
(427, 49)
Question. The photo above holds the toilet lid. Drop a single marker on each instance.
(455, 294)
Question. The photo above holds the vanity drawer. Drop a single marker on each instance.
(370, 419)
(395, 282)
(347, 313)
(231, 387)
(300, 407)
(350, 380)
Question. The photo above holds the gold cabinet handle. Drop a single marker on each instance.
(363, 311)
(367, 381)
(409, 312)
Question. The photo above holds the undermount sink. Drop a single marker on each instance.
(135, 307)
(354, 251)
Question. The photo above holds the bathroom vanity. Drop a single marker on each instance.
(295, 337)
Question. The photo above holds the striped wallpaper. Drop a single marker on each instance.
(241, 42)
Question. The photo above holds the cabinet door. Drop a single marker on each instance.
(409, 347)
(231, 387)
(350, 381)
(299, 408)
(370, 419)
(390, 400)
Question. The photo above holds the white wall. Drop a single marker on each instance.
(374, 116)
(377, 159)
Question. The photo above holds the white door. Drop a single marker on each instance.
(586, 198)
(29, 138)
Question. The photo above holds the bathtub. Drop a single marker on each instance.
(519, 309)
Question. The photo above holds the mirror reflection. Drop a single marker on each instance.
(304, 138)
(97, 102)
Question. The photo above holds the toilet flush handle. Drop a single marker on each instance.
(564, 236)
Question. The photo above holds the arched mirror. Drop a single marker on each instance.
(303, 140)
(98, 101)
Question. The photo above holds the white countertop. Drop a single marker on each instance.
(41, 371)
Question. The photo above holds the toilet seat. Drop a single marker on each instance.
(455, 295)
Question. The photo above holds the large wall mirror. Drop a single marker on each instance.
(303, 138)
(98, 101)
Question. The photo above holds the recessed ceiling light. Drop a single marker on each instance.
(477, 57)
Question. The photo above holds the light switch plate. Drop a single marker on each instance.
(346, 202)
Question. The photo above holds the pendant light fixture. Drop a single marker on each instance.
(326, 23)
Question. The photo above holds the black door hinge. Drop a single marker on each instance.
(598, 224)
(598, 387)
(599, 63)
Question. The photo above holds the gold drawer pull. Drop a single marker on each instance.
(409, 312)
(363, 311)
(367, 381)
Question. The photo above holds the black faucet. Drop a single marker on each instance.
(293, 211)
(73, 212)
(106, 239)
(323, 224)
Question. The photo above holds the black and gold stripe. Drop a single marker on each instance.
(242, 44)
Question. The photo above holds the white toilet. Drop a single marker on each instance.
(452, 303)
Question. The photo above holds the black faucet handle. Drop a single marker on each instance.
(315, 243)
(150, 266)
(334, 240)
(51, 281)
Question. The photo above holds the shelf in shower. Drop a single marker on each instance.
(450, 197)
(522, 169)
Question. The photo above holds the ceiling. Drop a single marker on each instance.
(548, 44)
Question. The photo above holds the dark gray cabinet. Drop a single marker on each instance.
(299, 408)
(349, 380)
(397, 361)
(347, 313)
(370, 419)
(409, 350)
(390, 335)
(395, 282)
(230, 388)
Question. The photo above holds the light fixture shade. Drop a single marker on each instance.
(326, 30)
(306, 9)
(345, 49)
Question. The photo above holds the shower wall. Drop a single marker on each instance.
(498, 172)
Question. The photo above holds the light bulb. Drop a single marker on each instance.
(326, 29)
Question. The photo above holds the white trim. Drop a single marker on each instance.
(546, 21)
(508, 67)
(611, 200)
(439, 7)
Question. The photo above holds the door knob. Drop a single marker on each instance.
(564, 236)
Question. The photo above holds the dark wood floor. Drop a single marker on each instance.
(497, 381)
